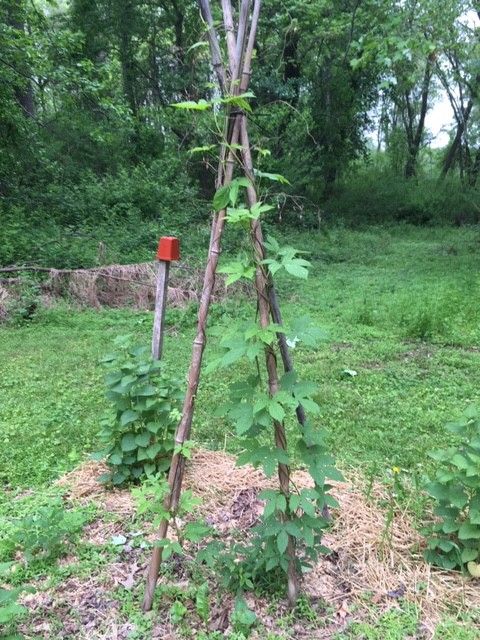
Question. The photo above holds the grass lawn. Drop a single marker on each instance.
(400, 308)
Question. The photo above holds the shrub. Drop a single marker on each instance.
(373, 195)
(138, 438)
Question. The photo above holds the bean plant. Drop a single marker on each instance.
(138, 436)
(260, 404)
(454, 540)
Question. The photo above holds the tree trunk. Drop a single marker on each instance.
(414, 138)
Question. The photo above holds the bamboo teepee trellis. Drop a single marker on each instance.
(233, 81)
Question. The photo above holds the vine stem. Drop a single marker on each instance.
(263, 286)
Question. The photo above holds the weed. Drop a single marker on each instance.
(304, 610)
(177, 612)
(242, 618)
(396, 624)
(10, 609)
(43, 534)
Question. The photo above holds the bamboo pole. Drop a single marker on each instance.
(176, 473)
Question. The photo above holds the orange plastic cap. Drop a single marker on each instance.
(168, 249)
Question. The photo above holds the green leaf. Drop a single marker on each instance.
(257, 209)
(109, 357)
(469, 554)
(294, 502)
(242, 615)
(11, 611)
(149, 469)
(196, 531)
(281, 503)
(269, 509)
(471, 412)
(202, 605)
(128, 442)
(276, 410)
(295, 268)
(237, 270)
(271, 564)
(128, 417)
(153, 450)
(282, 541)
(113, 378)
(143, 439)
(145, 390)
(239, 101)
(469, 531)
(204, 149)
(459, 428)
(221, 198)
(201, 105)
(275, 177)
(154, 427)
(293, 529)
(115, 459)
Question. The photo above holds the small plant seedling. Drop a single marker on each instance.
(243, 618)
(177, 611)
(10, 609)
(43, 535)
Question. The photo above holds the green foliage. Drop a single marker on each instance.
(373, 194)
(291, 518)
(10, 609)
(395, 624)
(23, 300)
(122, 210)
(454, 542)
(48, 423)
(242, 618)
(202, 603)
(286, 258)
(177, 612)
(43, 535)
(150, 498)
(138, 438)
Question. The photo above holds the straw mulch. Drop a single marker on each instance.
(130, 285)
(118, 286)
(4, 302)
(366, 559)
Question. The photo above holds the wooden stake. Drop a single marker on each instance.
(163, 270)
(168, 250)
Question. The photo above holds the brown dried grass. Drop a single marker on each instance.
(368, 562)
(130, 285)
(4, 303)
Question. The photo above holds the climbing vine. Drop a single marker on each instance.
(299, 514)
